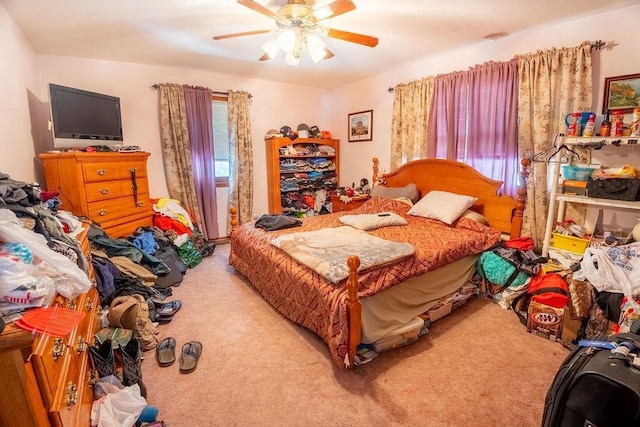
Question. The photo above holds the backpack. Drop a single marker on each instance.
(505, 266)
(549, 289)
(132, 312)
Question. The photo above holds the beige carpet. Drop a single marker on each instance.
(476, 367)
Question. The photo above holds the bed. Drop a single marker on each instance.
(342, 310)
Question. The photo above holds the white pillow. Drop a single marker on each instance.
(442, 205)
(475, 216)
(373, 221)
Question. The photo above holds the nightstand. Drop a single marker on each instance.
(340, 206)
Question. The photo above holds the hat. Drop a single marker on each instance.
(326, 134)
(303, 126)
(272, 132)
(285, 130)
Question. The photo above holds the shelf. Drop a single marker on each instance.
(591, 141)
(623, 204)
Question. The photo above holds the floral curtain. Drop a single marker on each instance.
(176, 151)
(200, 123)
(551, 84)
(241, 149)
(411, 105)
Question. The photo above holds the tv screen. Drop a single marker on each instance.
(82, 118)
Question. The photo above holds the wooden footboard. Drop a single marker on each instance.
(504, 213)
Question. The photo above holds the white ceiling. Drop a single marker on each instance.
(179, 32)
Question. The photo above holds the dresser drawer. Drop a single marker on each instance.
(107, 171)
(121, 207)
(106, 190)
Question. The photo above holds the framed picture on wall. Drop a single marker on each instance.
(621, 93)
(361, 126)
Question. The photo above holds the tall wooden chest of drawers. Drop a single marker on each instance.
(109, 188)
(47, 381)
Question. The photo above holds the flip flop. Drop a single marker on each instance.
(166, 352)
(190, 354)
(168, 308)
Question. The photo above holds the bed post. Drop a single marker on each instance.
(233, 218)
(354, 309)
(374, 178)
(516, 223)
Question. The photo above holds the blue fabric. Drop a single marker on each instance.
(145, 242)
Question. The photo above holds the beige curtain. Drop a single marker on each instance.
(551, 84)
(411, 105)
(176, 153)
(241, 149)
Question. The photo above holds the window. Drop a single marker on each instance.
(221, 150)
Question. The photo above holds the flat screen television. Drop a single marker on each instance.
(82, 118)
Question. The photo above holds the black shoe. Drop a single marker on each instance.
(132, 366)
(103, 359)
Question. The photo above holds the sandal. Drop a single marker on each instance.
(168, 308)
(166, 352)
(190, 354)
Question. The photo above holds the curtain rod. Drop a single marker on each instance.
(596, 45)
(156, 86)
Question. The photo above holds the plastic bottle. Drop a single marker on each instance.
(605, 127)
(589, 127)
(617, 123)
(635, 122)
(574, 125)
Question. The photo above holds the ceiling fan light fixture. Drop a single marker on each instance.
(271, 48)
(291, 59)
(316, 48)
(287, 41)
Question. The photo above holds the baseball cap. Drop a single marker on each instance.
(303, 126)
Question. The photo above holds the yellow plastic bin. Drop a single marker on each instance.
(570, 243)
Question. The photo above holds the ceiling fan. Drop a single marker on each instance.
(298, 25)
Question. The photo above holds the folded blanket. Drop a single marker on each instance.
(326, 251)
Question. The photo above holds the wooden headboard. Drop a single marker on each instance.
(503, 212)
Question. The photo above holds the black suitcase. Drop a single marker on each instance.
(596, 387)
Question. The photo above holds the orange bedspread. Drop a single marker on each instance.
(311, 301)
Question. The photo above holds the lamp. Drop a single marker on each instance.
(293, 42)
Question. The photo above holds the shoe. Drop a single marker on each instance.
(166, 352)
(104, 361)
(167, 308)
(191, 352)
(155, 316)
(132, 366)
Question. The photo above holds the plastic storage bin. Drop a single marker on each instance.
(570, 243)
(578, 172)
(403, 335)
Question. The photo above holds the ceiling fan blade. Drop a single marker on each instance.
(264, 57)
(328, 54)
(334, 9)
(259, 8)
(246, 33)
(352, 37)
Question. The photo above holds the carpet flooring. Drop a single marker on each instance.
(476, 367)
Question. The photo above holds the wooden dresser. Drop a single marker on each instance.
(46, 381)
(109, 188)
(340, 206)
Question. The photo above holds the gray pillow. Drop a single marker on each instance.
(410, 191)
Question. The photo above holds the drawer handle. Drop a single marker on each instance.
(133, 170)
(104, 190)
(102, 212)
(140, 204)
(58, 348)
(71, 304)
(101, 172)
(92, 377)
(89, 305)
(82, 345)
(72, 394)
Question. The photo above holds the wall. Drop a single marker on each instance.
(23, 105)
(622, 58)
(20, 81)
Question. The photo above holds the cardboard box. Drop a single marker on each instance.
(545, 321)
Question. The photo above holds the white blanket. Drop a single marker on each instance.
(326, 251)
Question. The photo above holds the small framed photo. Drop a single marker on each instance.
(361, 126)
(621, 93)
